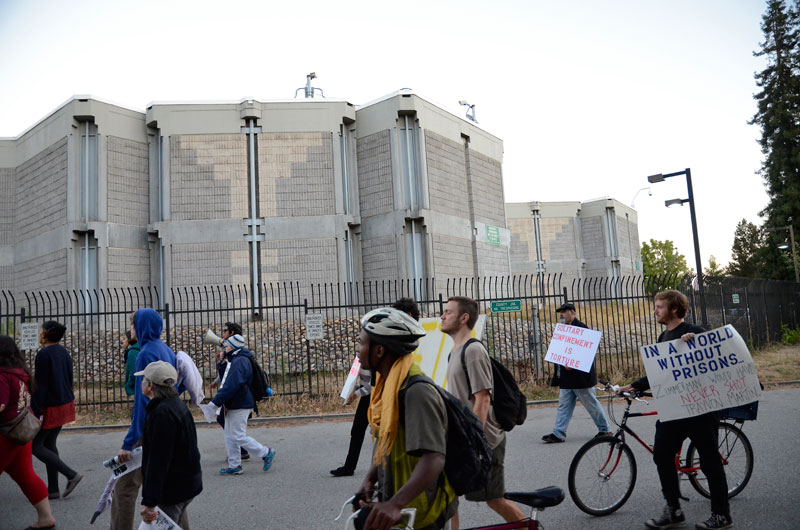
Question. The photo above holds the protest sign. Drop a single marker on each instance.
(431, 355)
(119, 469)
(712, 371)
(162, 522)
(573, 347)
(352, 379)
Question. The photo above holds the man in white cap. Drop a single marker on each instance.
(171, 474)
(234, 394)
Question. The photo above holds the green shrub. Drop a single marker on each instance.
(790, 336)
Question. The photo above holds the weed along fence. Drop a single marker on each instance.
(520, 317)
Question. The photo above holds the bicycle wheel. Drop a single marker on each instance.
(602, 475)
(737, 459)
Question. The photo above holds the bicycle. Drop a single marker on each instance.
(603, 471)
(537, 501)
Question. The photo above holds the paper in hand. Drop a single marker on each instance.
(162, 522)
(210, 411)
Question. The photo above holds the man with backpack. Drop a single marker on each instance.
(237, 398)
(410, 448)
(474, 386)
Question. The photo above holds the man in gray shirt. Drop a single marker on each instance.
(458, 319)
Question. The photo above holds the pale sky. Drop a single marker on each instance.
(590, 97)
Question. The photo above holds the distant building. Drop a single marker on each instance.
(310, 190)
(598, 238)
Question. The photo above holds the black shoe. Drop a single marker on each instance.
(716, 522)
(245, 455)
(71, 483)
(606, 433)
(671, 517)
(551, 439)
(342, 472)
(54, 495)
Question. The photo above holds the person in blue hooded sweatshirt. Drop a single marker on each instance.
(234, 394)
(146, 329)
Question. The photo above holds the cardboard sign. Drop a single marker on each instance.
(712, 371)
(352, 379)
(573, 347)
(431, 355)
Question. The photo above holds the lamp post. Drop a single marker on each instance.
(660, 177)
(790, 228)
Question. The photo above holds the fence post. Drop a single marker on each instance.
(722, 303)
(441, 304)
(166, 319)
(747, 309)
(308, 348)
(565, 296)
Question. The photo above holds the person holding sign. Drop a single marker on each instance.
(575, 385)
(670, 309)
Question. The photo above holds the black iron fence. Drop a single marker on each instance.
(517, 332)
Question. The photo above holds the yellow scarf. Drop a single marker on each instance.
(384, 409)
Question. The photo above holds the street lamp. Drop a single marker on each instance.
(784, 246)
(660, 177)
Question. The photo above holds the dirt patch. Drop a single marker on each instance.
(778, 363)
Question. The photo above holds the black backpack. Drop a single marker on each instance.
(259, 385)
(509, 403)
(468, 461)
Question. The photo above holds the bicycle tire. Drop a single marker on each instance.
(736, 450)
(594, 491)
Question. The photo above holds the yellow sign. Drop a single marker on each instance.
(434, 348)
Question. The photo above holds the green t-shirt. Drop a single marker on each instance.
(425, 430)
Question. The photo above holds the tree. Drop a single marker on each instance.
(713, 270)
(748, 242)
(778, 116)
(661, 258)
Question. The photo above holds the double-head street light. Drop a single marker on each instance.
(660, 177)
(784, 246)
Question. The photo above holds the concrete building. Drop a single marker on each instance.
(251, 192)
(598, 238)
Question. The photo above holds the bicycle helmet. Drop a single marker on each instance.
(393, 329)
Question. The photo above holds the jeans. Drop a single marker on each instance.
(44, 448)
(236, 437)
(566, 404)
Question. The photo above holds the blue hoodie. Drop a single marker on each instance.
(148, 325)
(235, 391)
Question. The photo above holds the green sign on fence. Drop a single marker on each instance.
(506, 306)
(735, 298)
(492, 235)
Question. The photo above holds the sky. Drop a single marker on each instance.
(589, 97)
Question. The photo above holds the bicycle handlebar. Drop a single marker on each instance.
(636, 394)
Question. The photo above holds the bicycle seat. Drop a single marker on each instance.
(539, 499)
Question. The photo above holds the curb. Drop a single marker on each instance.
(321, 417)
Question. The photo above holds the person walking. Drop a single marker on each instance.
(131, 348)
(146, 329)
(575, 385)
(409, 454)
(231, 329)
(53, 401)
(670, 309)
(171, 474)
(362, 391)
(15, 382)
(474, 388)
(234, 394)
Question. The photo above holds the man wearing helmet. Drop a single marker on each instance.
(409, 451)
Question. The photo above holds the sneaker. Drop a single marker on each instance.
(716, 521)
(71, 484)
(342, 472)
(231, 470)
(604, 433)
(671, 517)
(268, 459)
(552, 439)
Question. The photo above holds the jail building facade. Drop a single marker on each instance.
(250, 193)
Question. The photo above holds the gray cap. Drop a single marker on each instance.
(159, 373)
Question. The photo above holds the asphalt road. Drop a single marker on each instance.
(298, 492)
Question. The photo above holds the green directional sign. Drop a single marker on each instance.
(492, 235)
(506, 306)
(735, 298)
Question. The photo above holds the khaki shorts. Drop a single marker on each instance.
(496, 487)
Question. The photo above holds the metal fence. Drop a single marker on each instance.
(622, 308)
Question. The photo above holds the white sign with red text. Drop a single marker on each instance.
(712, 371)
(573, 347)
(352, 379)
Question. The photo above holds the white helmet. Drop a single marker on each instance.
(393, 329)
